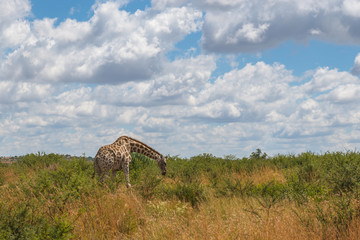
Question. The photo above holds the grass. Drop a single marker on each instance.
(304, 196)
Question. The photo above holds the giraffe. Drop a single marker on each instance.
(116, 156)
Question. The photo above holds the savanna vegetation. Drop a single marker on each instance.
(304, 196)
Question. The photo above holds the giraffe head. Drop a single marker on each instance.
(162, 164)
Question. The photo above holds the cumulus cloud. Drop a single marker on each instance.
(325, 79)
(263, 24)
(250, 93)
(251, 26)
(113, 46)
(13, 27)
(259, 105)
(174, 85)
(178, 106)
(351, 8)
(356, 68)
(23, 92)
(344, 94)
(265, 105)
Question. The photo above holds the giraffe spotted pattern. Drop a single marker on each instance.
(116, 156)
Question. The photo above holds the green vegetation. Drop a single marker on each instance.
(305, 196)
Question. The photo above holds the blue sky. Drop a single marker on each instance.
(79, 9)
(186, 77)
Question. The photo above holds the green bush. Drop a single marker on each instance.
(40, 160)
(2, 179)
(138, 164)
(50, 184)
(300, 191)
(230, 188)
(148, 183)
(341, 171)
(24, 222)
(192, 193)
(271, 192)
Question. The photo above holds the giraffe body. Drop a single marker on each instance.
(116, 156)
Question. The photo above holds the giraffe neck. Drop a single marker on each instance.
(139, 147)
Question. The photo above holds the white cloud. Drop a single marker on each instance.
(13, 27)
(325, 79)
(352, 8)
(344, 94)
(23, 92)
(259, 105)
(249, 33)
(356, 68)
(177, 106)
(256, 90)
(176, 84)
(113, 46)
(217, 110)
(251, 26)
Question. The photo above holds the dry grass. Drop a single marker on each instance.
(8, 177)
(262, 175)
(115, 212)
(110, 216)
(124, 215)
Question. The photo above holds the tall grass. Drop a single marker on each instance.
(305, 196)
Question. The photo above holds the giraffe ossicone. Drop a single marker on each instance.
(116, 156)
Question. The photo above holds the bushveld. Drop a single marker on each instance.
(304, 196)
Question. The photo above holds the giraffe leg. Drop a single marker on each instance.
(126, 170)
(104, 176)
(97, 169)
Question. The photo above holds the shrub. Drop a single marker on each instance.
(48, 196)
(40, 159)
(234, 188)
(301, 192)
(23, 222)
(270, 193)
(148, 183)
(258, 154)
(2, 179)
(192, 193)
(341, 171)
(138, 164)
